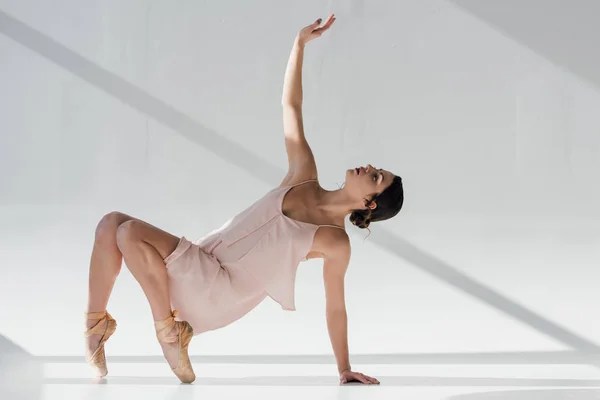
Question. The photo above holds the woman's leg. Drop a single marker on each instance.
(144, 247)
(106, 260)
(105, 265)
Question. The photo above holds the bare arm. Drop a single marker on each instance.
(301, 162)
(336, 261)
(292, 81)
(334, 271)
(300, 155)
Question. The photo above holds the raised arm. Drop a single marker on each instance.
(336, 260)
(301, 162)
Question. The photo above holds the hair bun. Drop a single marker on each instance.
(360, 219)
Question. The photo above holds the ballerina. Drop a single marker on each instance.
(215, 280)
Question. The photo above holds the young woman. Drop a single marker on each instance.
(219, 278)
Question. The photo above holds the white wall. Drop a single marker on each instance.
(496, 140)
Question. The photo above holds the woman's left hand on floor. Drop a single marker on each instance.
(351, 376)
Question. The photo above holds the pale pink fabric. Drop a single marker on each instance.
(222, 276)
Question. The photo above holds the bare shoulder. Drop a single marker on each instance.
(331, 243)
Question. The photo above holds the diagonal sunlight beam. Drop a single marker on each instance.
(246, 160)
(137, 98)
(454, 277)
(565, 33)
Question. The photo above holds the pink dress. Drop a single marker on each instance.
(222, 276)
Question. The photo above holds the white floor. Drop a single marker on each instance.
(153, 381)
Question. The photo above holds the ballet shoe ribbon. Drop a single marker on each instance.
(164, 326)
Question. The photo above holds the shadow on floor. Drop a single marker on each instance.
(21, 374)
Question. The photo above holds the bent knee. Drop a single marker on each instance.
(106, 230)
(127, 232)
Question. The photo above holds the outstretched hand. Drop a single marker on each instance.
(350, 376)
(315, 29)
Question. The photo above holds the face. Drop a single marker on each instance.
(368, 181)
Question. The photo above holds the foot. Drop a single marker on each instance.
(99, 327)
(170, 347)
(93, 341)
(174, 338)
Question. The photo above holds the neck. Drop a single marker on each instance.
(337, 203)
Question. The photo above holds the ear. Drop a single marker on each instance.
(372, 205)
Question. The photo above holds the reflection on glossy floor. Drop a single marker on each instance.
(150, 381)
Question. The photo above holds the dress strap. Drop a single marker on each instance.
(302, 183)
(334, 226)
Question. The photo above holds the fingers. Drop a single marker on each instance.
(357, 376)
(315, 29)
(326, 25)
(367, 379)
(363, 379)
(312, 27)
(329, 22)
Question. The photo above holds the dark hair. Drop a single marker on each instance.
(389, 203)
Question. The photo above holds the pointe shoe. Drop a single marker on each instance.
(182, 334)
(106, 326)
